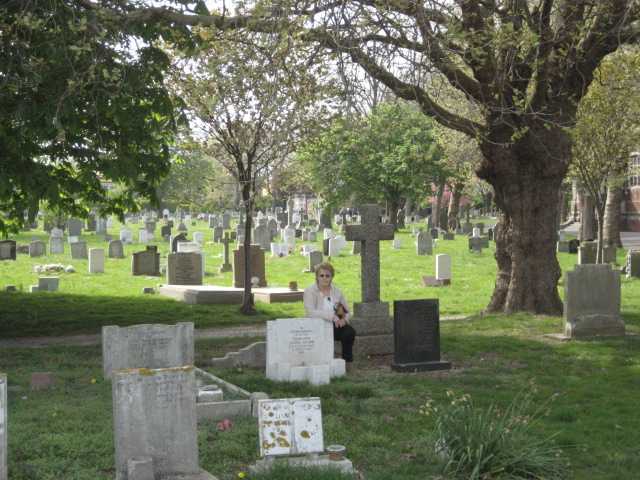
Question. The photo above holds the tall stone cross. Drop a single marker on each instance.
(226, 266)
(369, 233)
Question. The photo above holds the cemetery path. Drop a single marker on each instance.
(204, 333)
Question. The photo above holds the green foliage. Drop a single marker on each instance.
(282, 472)
(81, 108)
(490, 443)
(385, 156)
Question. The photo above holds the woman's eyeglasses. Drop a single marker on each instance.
(324, 275)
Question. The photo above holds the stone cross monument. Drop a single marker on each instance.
(371, 316)
(226, 266)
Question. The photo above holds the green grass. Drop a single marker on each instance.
(66, 433)
(86, 301)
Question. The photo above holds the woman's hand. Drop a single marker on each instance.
(339, 322)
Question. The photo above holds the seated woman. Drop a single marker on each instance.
(326, 301)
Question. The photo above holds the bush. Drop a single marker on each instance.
(481, 444)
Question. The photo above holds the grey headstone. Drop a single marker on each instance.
(48, 284)
(226, 221)
(37, 249)
(116, 249)
(592, 301)
(96, 260)
(262, 236)
(587, 252)
(146, 262)
(315, 258)
(476, 244)
(226, 266)
(165, 232)
(424, 243)
(217, 234)
(146, 346)
(56, 245)
(184, 268)
(154, 415)
(8, 249)
(74, 227)
(79, 250)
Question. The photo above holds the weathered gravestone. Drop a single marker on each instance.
(56, 245)
(301, 349)
(587, 252)
(226, 221)
(213, 221)
(192, 247)
(8, 250)
(146, 262)
(96, 260)
(257, 265)
(290, 426)
(475, 244)
(79, 250)
(116, 249)
(424, 243)
(633, 263)
(4, 475)
(467, 228)
(226, 266)
(262, 236)
(181, 237)
(416, 329)
(74, 227)
(315, 259)
(146, 346)
(336, 245)
(371, 316)
(217, 234)
(48, 284)
(37, 249)
(155, 424)
(592, 302)
(198, 237)
(165, 232)
(184, 268)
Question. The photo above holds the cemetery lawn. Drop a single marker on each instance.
(66, 433)
(86, 302)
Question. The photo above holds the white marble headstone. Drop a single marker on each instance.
(301, 349)
(290, 426)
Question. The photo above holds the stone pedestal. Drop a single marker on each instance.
(374, 329)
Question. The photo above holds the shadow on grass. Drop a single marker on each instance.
(52, 314)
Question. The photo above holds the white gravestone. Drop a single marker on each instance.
(336, 245)
(198, 237)
(57, 232)
(279, 250)
(396, 244)
(126, 236)
(96, 260)
(327, 233)
(301, 349)
(3, 427)
(144, 236)
(146, 346)
(443, 268)
(289, 236)
(290, 426)
(476, 232)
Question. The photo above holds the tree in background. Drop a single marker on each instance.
(250, 101)
(387, 156)
(605, 134)
(81, 107)
(461, 155)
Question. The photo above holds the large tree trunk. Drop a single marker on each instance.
(612, 217)
(526, 193)
(408, 207)
(392, 212)
(454, 206)
(600, 221)
(435, 216)
(588, 225)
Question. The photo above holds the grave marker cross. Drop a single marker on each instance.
(369, 233)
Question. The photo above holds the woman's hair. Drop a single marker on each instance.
(325, 266)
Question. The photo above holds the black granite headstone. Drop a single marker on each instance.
(416, 336)
(325, 247)
(573, 245)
